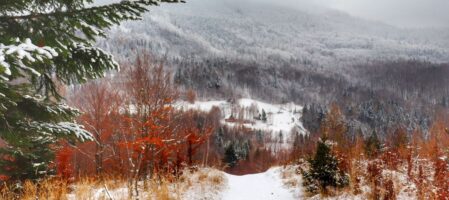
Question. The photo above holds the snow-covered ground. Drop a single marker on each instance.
(204, 184)
(281, 118)
(262, 186)
(204, 106)
(277, 183)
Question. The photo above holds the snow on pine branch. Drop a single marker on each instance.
(59, 109)
(92, 29)
(11, 55)
(65, 128)
(77, 130)
(97, 54)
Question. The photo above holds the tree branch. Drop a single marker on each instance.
(139, 4)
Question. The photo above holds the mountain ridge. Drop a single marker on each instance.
(225, 29)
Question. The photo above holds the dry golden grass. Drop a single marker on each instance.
(50, 189)
(47, 189)
(30, 189)
(290, 177)
(83, 189)
(162, 188)
(6, 193)
(216, 180)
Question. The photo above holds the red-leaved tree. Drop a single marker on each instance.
(64, 162)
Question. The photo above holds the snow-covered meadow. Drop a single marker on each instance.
(281, 119)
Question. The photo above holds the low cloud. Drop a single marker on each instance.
(404, 13)
(401, 13)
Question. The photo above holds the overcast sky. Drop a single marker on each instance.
(404, 13)
(401, 13)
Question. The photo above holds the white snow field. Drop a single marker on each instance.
(262, 186)
(281, 118)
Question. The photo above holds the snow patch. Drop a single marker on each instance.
(262, 186)
(17, 53)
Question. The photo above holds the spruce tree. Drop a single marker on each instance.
(44, 44)
(324, 171)
(264, 116)
(230, 156)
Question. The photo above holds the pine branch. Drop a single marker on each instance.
(124, 5)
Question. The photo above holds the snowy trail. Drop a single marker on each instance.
(263, 186)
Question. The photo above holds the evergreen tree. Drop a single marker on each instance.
(324, 171)
(281, 137)
(230, 157)
(44, 44)
(264, 116)
(372, 145)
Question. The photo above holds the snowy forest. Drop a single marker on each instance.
(222, 100)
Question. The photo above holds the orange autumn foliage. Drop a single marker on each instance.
(136, 128)
(191, 96)
(63, 162)
(441, 179)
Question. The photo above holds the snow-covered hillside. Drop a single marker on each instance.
(263, 32)
(280, 118)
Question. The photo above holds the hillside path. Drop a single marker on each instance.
(262, 186)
